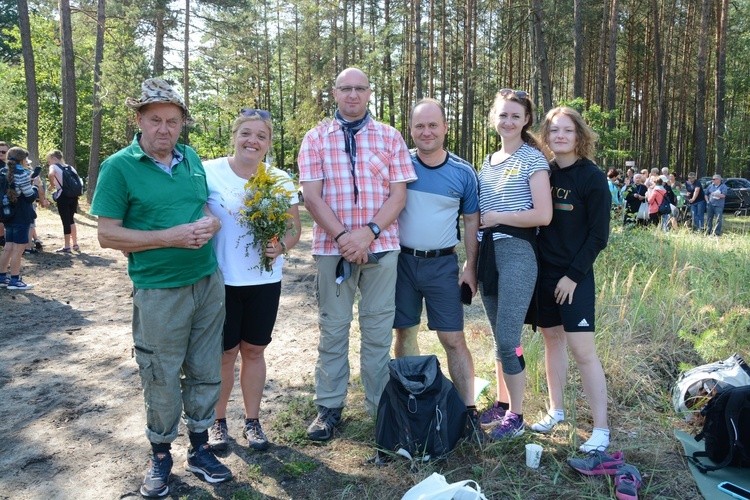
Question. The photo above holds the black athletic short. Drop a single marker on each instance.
(251, 314)
(575, 317)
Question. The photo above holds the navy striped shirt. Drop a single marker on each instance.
(505, 187)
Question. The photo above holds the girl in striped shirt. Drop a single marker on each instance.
(514, 199)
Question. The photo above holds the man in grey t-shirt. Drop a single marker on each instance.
(716, 194)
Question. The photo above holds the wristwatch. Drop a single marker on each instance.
(375, 229)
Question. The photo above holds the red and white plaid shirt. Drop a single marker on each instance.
(382, 159)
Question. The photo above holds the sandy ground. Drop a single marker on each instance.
(72, 418)
(72, 415)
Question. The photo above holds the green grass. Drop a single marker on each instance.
(297, 469)
(665, 302)
(290, 425)
(246, 494)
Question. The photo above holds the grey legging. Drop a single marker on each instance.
(517, 271)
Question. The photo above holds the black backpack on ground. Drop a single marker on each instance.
(72, 187)
(420, 410)
(726, 430)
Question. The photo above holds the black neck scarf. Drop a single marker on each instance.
(350, 143)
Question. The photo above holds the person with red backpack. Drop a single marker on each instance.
(67, 206)
(655, 199)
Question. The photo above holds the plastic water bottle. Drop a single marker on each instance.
(6, 205)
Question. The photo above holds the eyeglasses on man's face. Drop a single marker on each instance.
(3, 152)
(346, 89)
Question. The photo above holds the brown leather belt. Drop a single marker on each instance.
(427, 254)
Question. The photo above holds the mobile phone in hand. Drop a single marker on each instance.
(465, 294)
(733, 490)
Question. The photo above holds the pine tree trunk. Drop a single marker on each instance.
(541, 56)
(721, 59)
(96, 120)
(578, 49)
(701, 133)
(69, 106)
(32, 93)
(661, 114)
(612, 64)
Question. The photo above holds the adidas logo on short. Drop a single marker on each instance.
(583, 322)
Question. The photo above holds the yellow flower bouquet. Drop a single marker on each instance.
(264, 213)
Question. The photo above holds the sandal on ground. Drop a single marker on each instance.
(63, 250)
(627, 482)
(76, 248)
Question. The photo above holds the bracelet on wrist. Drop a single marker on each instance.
(342, 233)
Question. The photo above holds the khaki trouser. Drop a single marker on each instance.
(177, 334)
(377, 286)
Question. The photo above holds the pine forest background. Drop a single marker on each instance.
(652, 76)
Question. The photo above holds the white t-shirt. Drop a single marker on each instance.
(55, 172)
(226, 190)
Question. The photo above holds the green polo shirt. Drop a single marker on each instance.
(133, 189)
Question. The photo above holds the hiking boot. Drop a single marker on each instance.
(546, 424)
(156, 482)
(510, 427)
(627, 482)
(218, 436)
(19, 285)
(254, 435)
(474, 431)
(321, 429)
(493, 415)
(598, 462)
(202, 461)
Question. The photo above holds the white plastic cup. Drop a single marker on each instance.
(533, 455)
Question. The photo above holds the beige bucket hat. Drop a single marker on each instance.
(156, 90)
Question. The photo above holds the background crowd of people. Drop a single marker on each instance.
(701, 207)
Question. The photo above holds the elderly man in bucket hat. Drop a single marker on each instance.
(151, 202)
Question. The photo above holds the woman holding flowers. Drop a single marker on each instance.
(257, 206)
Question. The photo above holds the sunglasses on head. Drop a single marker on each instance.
(518, 93)
(266, 115)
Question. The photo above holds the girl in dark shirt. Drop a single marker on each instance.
(568, 248)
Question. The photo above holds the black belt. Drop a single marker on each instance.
(426, 254)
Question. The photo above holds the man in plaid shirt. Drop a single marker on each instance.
(354, 173)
